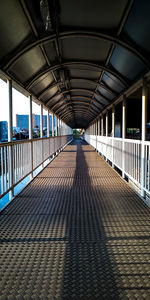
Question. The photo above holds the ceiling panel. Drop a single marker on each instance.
(112, 82)
(50, 50)
(83, 72)
(83, 84)
(126, 63)
(28, 65)
(137, 26)
(50, 93)
(14, 27)
(43, 82)
(86, 49)
(82, 93)
(106, 93)
(94, 14)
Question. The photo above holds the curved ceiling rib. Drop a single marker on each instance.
(74, 100)
(76, 105)
(80, 63)
(78, 96)
(87, 112)
(75, 34)
(86, 103)
(100, 67)
(74, 80)
(92, 113)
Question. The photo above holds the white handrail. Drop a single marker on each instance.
(28, 155)
(125, 154)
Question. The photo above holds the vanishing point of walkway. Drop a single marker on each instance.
(77, 231)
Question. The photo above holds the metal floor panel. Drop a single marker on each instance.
(77, 231)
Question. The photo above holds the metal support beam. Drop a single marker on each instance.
(102, 126)
(10, 139)
(123, 135)
(41, 122)
(144, 132)
(115, 40)
(107, 123)
(100, 67)
(30, 132)
(56, 126)
(113, 121)
(113, 133)
(53, 128)
(48, 124)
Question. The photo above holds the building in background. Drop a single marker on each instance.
(22, 121)
(36, 121)
(3, 131)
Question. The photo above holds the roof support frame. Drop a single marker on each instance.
(74, 106)
(73, 98)
(100, 67)
(87, 112)
(131, 47)
(78, 80)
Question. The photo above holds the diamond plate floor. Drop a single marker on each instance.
(77, 231)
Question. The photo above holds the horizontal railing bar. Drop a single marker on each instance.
(14, 144)
(4, 144)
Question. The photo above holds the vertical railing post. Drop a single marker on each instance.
(144, 122)
(30, 133)
(96, 133)
(102, 126)
(10, 139)
(56, 132)
(113, 133)
(53, 134)
(123, 135)
(52, 124)
(107, 123)
(48, 129)
(41, 131)
(56, 126)
(48, 124)
(102, 134)
(106, 132)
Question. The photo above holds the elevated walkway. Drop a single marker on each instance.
(77, 231)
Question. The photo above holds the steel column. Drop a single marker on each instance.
(123, 135)
(107, 123)
(113, 133)
(144, 132)
(30, 132)
(10, 139)
(102, 126)
(48, 124)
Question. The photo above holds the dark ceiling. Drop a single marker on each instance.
(75, 56)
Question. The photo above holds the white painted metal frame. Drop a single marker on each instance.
(131, 156)
(23, 152)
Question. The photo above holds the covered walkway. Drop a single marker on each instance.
(77, 231)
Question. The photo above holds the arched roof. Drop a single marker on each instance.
(82, 59)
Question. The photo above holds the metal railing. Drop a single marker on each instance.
(125, 154)
(26, 156)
